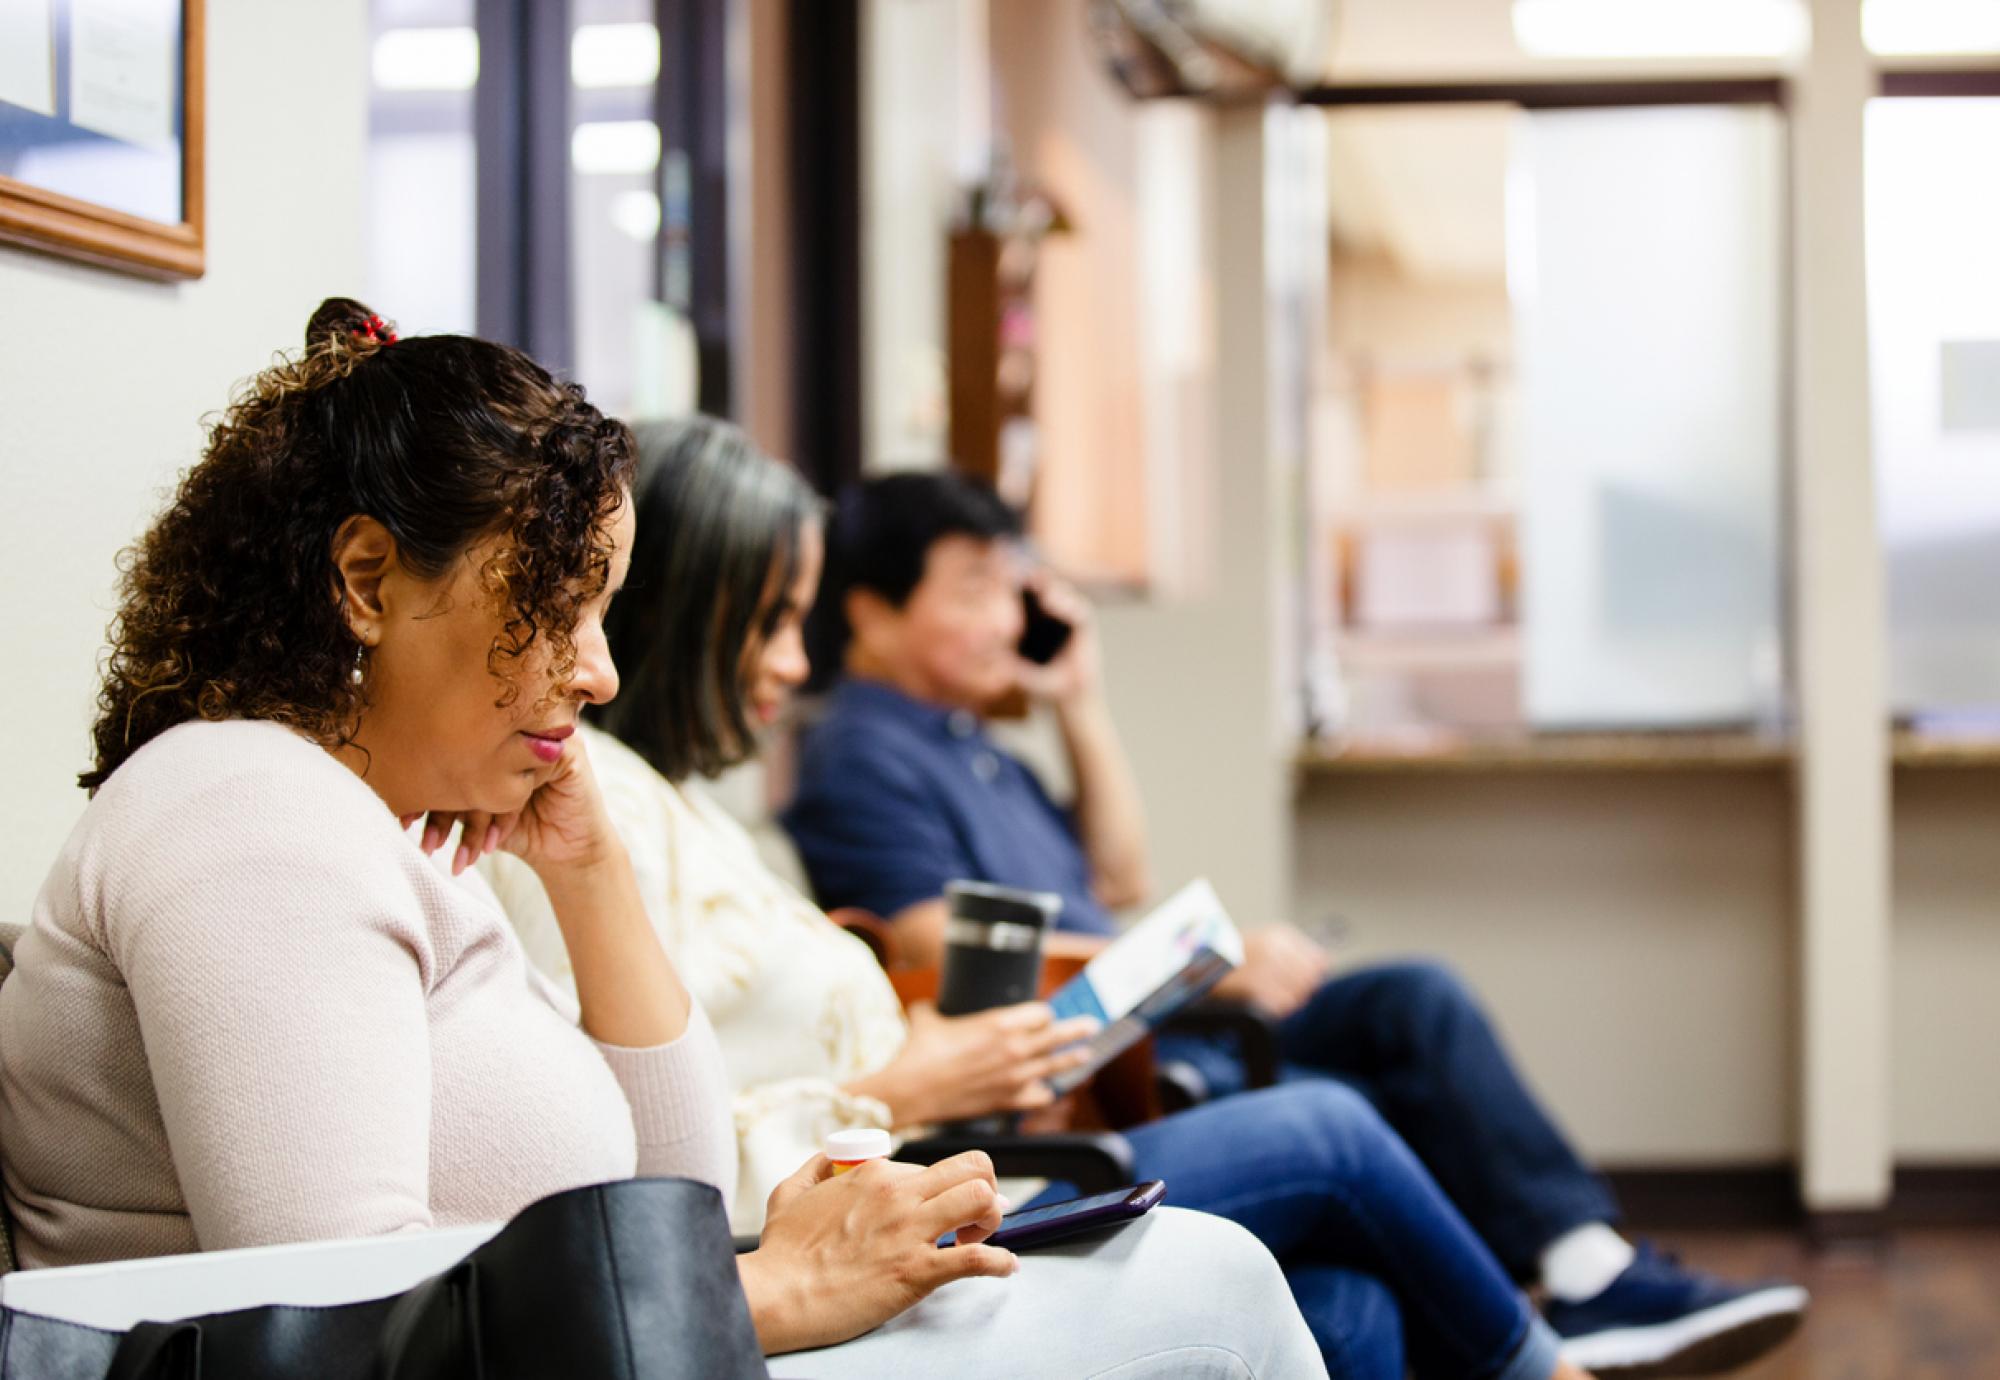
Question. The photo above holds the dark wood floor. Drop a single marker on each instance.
(1924, 1307)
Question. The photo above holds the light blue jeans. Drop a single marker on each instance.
(1175, 1293)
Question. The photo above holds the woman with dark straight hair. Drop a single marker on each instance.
(716, 600)
(250, 1009)
(1383, 1267)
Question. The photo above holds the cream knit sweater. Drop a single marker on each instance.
(250, 1010)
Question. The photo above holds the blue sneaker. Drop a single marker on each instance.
(1660, 1319)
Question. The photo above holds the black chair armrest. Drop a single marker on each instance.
(1254, 1034)
(1095, 1161)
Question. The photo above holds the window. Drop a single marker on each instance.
(1550, 454)
(1908, 28)
(1934, 344)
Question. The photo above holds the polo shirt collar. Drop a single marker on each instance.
(880, 698)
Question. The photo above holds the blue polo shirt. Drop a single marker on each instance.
(897, 797)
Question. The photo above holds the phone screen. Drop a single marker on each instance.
(1028, 1217)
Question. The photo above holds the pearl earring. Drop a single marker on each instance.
(358, 674)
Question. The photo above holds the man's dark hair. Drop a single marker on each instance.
(880, 539)
(718, 526)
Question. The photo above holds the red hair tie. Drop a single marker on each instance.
(377, 330)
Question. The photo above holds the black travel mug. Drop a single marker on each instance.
(993, 946)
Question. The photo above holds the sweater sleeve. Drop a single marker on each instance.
(678, 1091)
(279, 983)
(679, 1094)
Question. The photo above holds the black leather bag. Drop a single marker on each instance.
(629, 1281)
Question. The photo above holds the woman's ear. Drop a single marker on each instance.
(363, 556)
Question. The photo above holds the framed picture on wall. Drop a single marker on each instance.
(101, 132)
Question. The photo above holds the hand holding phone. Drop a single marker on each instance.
(1043, 635)
(1051, 1222)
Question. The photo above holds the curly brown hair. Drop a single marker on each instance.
(230, 606)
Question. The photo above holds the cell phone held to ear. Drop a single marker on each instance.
(1052, 1222)
(1044, 636)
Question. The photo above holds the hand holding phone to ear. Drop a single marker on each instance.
(1073, 669)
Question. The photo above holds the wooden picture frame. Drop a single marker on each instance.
(40, 218)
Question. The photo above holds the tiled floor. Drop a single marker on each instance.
(1926, 1307)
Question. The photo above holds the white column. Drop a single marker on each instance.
(1192, 675)
(1843, 774)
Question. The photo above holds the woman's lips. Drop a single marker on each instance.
(547, 743)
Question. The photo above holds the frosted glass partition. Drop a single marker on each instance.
(1934, 345)
(1644, 266)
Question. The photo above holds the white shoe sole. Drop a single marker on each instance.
(1713, 1340)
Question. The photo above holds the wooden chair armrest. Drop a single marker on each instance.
(871, 929)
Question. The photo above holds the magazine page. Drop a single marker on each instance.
(1152, 970)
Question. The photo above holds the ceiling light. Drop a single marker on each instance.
(1898, 27)
(607, 55)
(426, 60)
(1659, 28)
(615, 146)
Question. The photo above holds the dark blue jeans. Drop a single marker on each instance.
(1412, 1039)
(1385, 1270)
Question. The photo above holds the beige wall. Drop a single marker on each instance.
(1945, 941)
(1192, 680)
(103, 378)
(1635, 937)
(1376, 310)
(1631, 934)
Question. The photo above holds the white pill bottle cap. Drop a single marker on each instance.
(846, 1147)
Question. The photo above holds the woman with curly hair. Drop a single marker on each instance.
(251, 1009)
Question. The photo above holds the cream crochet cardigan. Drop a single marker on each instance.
(800, 1006)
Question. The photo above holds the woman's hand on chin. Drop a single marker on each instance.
(562, 826)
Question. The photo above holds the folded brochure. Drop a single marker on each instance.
(1149, 972)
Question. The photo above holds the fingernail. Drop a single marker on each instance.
(492, 838)
(1003, 1202)
(458, 859)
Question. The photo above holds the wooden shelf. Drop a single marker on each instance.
(1445, 754)
(1943, 751)
(1570, 752)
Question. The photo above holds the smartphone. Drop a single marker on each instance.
(1038, 1226)
(1045, 635)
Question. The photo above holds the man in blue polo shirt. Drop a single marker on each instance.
(901, 790)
